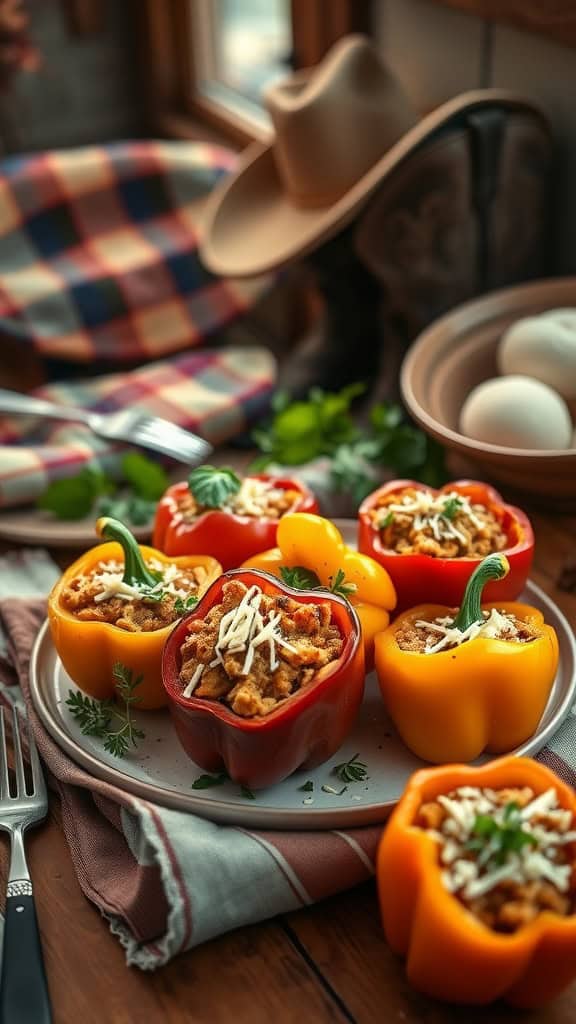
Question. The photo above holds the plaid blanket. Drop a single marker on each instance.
(216, 393)
(98, 257)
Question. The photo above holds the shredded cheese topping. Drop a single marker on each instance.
(533, 861)
(108, 576)
(241, 631)
(496, 625)
(428, 511)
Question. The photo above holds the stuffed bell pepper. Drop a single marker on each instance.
(456, 684)
(263, 679)
(476, 875)
(116, 605)
(311, 553)
(430, 541)
(215, 511)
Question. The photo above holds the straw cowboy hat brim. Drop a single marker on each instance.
(339, 129)
(252, 226)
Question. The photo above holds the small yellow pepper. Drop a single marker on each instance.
(486, 693)
(311, 552)
(89, 649)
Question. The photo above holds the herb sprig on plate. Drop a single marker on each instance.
(106, 719)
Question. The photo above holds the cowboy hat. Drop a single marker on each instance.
(339, 129)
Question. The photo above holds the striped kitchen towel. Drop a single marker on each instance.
(98, 252)
(214, 392)
(166, 880)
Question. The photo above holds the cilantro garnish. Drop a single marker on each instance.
(451, 508)
(299, 577)
(207, 781)
(494, 841)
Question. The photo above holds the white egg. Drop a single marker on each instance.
(517, 412)
(543, 347)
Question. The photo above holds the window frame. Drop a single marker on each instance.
(176, 109)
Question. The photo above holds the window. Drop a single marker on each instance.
(239, 48)
(207, 61)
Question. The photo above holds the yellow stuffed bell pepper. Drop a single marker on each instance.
(90, 646)
(311, 552)
(456, 685)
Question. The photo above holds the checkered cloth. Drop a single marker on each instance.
(98, 255)
(216, 393)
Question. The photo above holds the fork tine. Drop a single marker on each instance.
(18, 757)
(4, 783)
(38, 784)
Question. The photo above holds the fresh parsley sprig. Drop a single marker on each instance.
(493, 841)
(300, 578)
(451, 508)
(132, 498)
(352, 770)
(323, 424)
(97, 717)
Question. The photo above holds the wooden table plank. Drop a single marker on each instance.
(343, 936)
(253, 975)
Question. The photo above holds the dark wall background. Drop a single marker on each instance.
(86, 89)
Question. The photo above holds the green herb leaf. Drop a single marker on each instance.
(185, 604)
(207, 781)
(97, 718)
(307, 787)
(301, 431)
(386, 521)
(298, 577)
(338, 585)
(93, 716)
(493, 841)
(247, 793)
(352, 770)
(212, 485)
(74, 496)
(451, 507)
(148, 479)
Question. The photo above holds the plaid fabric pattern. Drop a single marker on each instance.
(215, 393)
(98, 257)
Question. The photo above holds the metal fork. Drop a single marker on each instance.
(24, 997)
(131, 425)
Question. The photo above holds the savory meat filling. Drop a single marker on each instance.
(256, 498)
(444, 525)
(422, 637)
(253, 651)
(506, 855)
(102, 596)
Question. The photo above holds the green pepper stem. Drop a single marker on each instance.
(135, 572)
(493, 567)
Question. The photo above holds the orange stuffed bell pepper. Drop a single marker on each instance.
(456, 685)
(311, 553)
(117, 604)
(476, 875)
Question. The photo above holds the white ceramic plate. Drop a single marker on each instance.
(160, 770)
(35, 526)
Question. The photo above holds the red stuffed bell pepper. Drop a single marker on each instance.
(262, 679)
(430, 541)
(216, 512)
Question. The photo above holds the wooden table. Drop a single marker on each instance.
(324, 965)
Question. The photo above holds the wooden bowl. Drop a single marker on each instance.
(457, 352)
